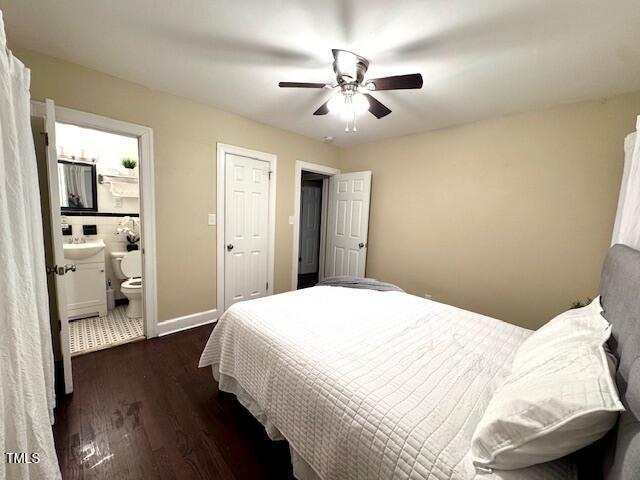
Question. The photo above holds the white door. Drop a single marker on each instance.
(348, 225)
(56, 234)
(246, 228)
(310, 211)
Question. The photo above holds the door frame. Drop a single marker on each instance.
(147, 194)
(221, 152)
(297, 192)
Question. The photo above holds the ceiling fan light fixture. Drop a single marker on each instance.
(354, 95)
(346, 64)
(360, 103)
(336, 103)
(348, 104)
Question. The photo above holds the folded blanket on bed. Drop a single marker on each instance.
(358, 282)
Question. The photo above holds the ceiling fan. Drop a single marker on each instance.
(354, 94)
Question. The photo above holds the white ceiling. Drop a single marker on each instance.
(478, 58)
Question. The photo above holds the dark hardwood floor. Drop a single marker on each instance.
(145, 411)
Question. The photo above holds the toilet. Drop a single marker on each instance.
(128, 265)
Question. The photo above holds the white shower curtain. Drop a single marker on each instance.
(626, 229)
(26, 358)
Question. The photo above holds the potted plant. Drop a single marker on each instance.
(129, 164)
(130, 226)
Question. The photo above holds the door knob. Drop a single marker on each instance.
(69, 268)
(230, 247)
(361, 245)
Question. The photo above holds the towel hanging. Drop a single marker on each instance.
(125, 189)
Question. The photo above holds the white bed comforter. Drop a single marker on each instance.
(366, 384)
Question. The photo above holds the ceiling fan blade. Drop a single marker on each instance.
(377, 108)
(323, 109)
(301, 85)
(399, 82)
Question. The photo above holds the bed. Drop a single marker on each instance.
(382, 384)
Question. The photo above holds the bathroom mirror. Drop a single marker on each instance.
(77, 186)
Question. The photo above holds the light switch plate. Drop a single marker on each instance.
(212, 219)
(291, 220)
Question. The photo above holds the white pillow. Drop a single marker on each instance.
(559, 397)
(579, 325)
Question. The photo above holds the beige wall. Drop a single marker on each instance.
(509, 217)
(185, 137)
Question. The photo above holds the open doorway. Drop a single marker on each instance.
(311, 200)
(341, 223)
(97, 195)
(311, 196)
(99, 191)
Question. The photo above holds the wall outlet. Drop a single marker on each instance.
(117, 202)
(212, 219)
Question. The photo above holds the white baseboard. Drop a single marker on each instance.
(188, 321)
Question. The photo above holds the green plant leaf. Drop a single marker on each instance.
(129, 163)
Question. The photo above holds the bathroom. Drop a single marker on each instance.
(99, 187)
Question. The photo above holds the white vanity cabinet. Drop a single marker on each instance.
(86, 286)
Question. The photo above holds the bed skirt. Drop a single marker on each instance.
(301, 469)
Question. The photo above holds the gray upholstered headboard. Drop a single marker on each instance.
(620, 298)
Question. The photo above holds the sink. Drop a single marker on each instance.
(80, 251)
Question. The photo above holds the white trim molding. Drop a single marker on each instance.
(222, 150)
(297, 187)
(147, 194)
(188, 321)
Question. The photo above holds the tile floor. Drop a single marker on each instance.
(97, 333)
